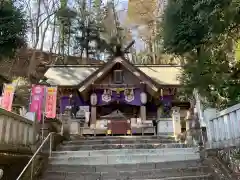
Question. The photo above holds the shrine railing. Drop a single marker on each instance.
(223, 128)
(16, 132)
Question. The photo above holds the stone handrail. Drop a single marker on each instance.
(15, 131)
(223, 127)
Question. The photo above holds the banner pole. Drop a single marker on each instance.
(43, 112)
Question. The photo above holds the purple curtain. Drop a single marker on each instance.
(120, 97)
(78, 101)
(166, 100)
(75, 101)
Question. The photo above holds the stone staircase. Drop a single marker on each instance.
(122, 158)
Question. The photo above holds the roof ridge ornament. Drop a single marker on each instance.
(117, 51)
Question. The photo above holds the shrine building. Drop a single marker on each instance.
(120, 98)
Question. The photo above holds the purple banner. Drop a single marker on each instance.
(75, 101)
(120, 97)
(166, 100)
(78, 101)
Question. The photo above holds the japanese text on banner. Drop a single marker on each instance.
(51, 102)
(7, 97)
(37, 100)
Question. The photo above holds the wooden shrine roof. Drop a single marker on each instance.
(75, 75)
(68, 76)
(163, 75)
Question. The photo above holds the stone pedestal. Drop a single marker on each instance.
(75, 127)
(165, 126)
(176, 121)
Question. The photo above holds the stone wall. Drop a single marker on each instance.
(16, 132)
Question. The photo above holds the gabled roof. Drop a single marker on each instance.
(163, 75)
(76, 75)
(68, 76)
(108, 66)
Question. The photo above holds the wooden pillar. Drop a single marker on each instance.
(93, 116)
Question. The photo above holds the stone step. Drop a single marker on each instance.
(126, 167)
(78, 137)
(117, 141)
(143, 174)
(122, 159)
(123, 152)
(123, 146)
(202, 177)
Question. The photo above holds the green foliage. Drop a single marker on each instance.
(204, 33)
(87, 38)
(188, 24)
(87, 31)
(13, 28)
(83, 29)
(181, 29)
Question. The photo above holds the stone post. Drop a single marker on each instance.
(93, 117)
(176, 121)
(188, 119)
(159, 112)
(158, 123)
(209, 114)
(36, 128)
(66, 118)
(143, 113)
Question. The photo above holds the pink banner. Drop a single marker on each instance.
(51, 102)
(37, 100)
(7, 97)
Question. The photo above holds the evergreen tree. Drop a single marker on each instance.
(204, 32)
(13, 28)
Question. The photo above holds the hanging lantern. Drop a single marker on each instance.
(143, 97)
(94, 99)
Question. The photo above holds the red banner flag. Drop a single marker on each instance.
(51, 102)
(7, 97)
(37, 100)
